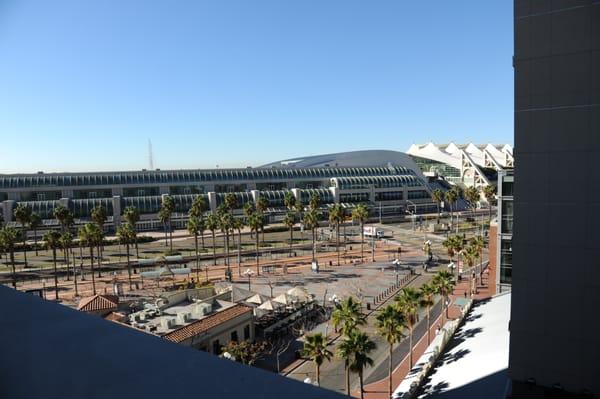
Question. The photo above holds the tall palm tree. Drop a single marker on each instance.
(427, 293)
(238, 224)
(289, 200)
(355, 349)
(212, 224)
(261, 207)
(52, 240)
(290, 221)
(255, 222)
(347, 316)
(230, 202)
(315, 348)
(437, 196)
(23, 216)
(35, 221)
(126, 235)
(89, 235)
(314, 202)
(9, 237)
(360, 214)
(99, 217)
(311, 222)
(472, 196)
(249, 209)
(63, 216)
(490, 195)
(65, 241)
(390, 325)
(193, 227)
(197, 210)
(408, 302)
(132, 216)
(163, 217)
(479, 243)
(443, 282)
(167, 208)
(336, 216)
(451, 197)
(226, 225)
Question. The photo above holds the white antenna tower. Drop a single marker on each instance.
(150, 158)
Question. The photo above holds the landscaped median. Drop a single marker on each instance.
(409, 386)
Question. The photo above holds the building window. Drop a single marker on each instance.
(247, 332)
(92, 194)
(141, 192)
(234, 336)
(41, 197)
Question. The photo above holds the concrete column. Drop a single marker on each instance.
(7, 210)
(117, 191)
(255, 195)
(372, 194)
(336, 194)
(116, 201)
(296, 192)
(212, 201)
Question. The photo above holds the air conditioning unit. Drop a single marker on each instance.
(183, 318)
(167, 323)
(202, 309)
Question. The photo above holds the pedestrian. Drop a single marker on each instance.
(465, 293)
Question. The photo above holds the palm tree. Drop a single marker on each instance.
(65, 241)
(63, 216)
(126, 235)
(451, 197)
(443, 282)
(9, 237)
(490, 195)
(479, 243)
(52, 240)
(336, 216)
(255, 222)
(390, 325)
(360, 214)
(314, 201)
(197, 210)
(238, 224)
(35, 221)
(193, 227)
(89, 235)
(315, 348)
(212, 224)
(408, 302)
(472, 196)
(230, 202)
(132, 216)
(261, 207)
(166, 209)
(347, 316)
(311, 222)
(437, 196)
(226, 224)
(355, 349)
(99, 217)
(290, 221)
(163, 216)
(249, 210)
(23, 216)
(427, 293)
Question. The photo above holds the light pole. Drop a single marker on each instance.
(249, 273)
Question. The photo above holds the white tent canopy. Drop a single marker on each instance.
(285, 299)
(270, 305)
(301, 293)
(258, 299)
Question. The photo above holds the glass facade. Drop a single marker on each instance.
(354, 198)
(418, 194)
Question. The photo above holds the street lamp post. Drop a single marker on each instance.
(249, 273)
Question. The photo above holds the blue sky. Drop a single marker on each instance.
(85, 84)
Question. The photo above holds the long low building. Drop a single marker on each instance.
(387, 179)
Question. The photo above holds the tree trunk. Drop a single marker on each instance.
(55, 274)
(128, 265)
(99, 261)
(291, 239)
(362, 242)
(92, 269)
(257, 254)
(14, 270)
(410, 349)
(347, 379)
(137, 251)
(25, 247)
(202, 237)
(313, 244)
(66, 261)
(166, 236)
(360, 379)
(239, 254)
(197, 257)
(390, 363)
(438, 212)
(337, 241)
(74, 273)
(170, 235)
(35, 241)
(214, 245)
(318, 371)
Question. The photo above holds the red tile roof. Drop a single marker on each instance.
(98, 302)
(200, 326)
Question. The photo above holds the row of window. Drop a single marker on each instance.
(154, 177)
(362, 182)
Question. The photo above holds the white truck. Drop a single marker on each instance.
(372, 231)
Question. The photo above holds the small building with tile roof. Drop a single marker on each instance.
(99, 304)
